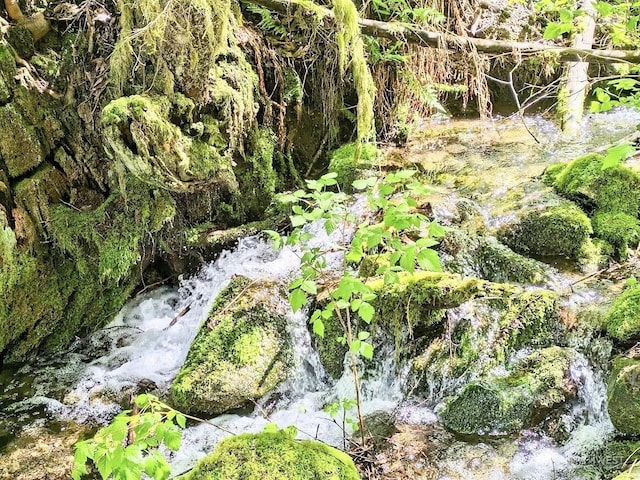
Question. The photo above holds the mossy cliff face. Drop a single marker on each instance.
(273, 456)
(612, 195)
(623, 395)
(89, 200)
(507, 404)
(241, 352)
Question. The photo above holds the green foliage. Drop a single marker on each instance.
(616, 92)
(347, 160)
(127, 448)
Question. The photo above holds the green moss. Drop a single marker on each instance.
(504, 405)
(623, 319)
(619, 229)
(615, 189)
(241, 352)
(623, 395)
(7, 73)
(533, 320)
(551, 172)
(632, 474)
(273, 456)
(20, 146)
(415, 305)
(558, 230)
(346, 163)
(467, 252)
(331, 351)
(616, 456)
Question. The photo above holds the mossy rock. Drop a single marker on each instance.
(620, 230)
(533, 320)
(615, 456)
(241, 352)
(330, 350)
(623, 319)
(415, 305)
(614, 189)
(497, 405)
(488, 333)
(273, 456)
(623, 395)
(20, 146)
(469, 254)
(347, 164)
(632, 474)
(562, 230)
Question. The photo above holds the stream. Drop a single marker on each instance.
(138, 349)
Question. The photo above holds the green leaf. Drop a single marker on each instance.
(310, 287)
(172, 439)
(297, 220)
(271, 428)
(566, 16)
(181, 420)
(366, 350)
(428, 260)
(355, 304)
(408, 259)
(297, 299)
(555, 30)
(366, 312)
(355, 346)
(617, 154)
(318, 327)
(363, 335)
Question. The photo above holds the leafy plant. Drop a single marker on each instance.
(398, 232)
(128, 447)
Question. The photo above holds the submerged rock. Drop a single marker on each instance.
(623, 395)
(273, 456)
(503, 404)
(241, 352)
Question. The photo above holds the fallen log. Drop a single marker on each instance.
(412, 34)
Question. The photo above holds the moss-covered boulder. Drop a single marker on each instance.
(414, 306)
(241, 352)
(632, 474)
(346, 162)
(561, 230)
(273, 456)
(483, 256)
(20, 146)
(486, 334)
(520, 399)
(612, 194)
(623, 319)
(623, 395)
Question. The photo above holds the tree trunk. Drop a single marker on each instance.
(575, 90)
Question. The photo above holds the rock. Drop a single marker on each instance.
(504, 404)
(562, 230)
(273, 456)
(484, 256)
(39, 454)
(241, 352)
(623, 319)
(623, 395)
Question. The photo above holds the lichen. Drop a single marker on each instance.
(240, 353)
(273, 456)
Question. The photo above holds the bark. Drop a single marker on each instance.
(407, 33)
(577, 78)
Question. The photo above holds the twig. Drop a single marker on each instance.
(182, 313)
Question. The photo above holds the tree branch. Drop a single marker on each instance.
(411, 34)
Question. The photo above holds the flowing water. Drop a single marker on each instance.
(140, 349)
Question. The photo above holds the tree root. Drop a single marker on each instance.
(37, 24)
